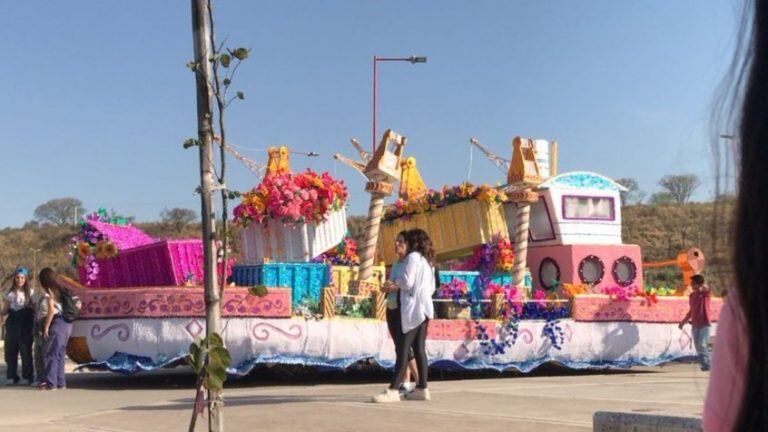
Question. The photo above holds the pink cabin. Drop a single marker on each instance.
(575, 234)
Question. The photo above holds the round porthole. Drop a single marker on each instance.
(624, 271)
(549, 273)
(591, 270)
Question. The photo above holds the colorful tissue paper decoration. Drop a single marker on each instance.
(456, 290)
(344, 254)
(495, 256)
(444, 197)
(511, 294)
(292, 198)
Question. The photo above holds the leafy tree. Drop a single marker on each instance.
(177, 218)
(661, 198)
(60, 211)
(633, 193)
(681, 187)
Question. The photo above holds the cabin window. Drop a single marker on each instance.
(540, 226)
(549, 273)
(588, 208)
(624, 271)
(591, 270)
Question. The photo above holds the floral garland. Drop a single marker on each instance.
(344, 254)
(444, 197)
(292, 198)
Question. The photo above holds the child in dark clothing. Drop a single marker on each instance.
(698, 316)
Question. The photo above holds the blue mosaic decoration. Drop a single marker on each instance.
(306, 280)
(583, 180)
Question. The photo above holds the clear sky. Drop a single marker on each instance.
(96, 100)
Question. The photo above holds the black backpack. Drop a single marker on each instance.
(70, 309)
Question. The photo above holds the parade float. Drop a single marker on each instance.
(531, 272)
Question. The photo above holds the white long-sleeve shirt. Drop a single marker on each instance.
(417, 284)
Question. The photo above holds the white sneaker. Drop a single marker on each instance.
(387, 396)
(419, 394)
(409, 386)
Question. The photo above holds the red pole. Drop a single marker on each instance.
(373, 140)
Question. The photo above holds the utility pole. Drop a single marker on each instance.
(201, 37)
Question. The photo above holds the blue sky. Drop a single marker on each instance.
(97, 101)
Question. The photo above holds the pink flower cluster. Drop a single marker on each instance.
(292, 198)
(623, 292)
(511, 294)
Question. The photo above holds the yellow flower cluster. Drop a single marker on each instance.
(105, 249)
(572, 290)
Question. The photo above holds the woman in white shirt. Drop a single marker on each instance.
(416, 285)
(394, 322)
(19, 328)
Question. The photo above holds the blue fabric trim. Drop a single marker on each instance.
(130, 364)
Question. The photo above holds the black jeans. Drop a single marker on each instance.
(18, 341)
(395, 326)
(415, 339)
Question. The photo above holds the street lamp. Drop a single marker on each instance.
(412, 60)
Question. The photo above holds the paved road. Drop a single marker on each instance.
(550, 399)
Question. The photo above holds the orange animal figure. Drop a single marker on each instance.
(691, 262)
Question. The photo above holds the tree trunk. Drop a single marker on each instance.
(201, 37)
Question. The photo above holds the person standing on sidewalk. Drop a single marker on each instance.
(18, 328)
(394, 321)
(416, 284)
(40, 304)
(56, 333)
(698, 315)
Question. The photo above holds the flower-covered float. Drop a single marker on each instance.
(584, 304)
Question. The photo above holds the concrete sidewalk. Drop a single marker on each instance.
(552, 401)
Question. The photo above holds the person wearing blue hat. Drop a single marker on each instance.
(18, 328)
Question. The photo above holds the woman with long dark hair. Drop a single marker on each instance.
(394, 322)
(737, 396)
(56, 332)
(18, 328)
(416, 285)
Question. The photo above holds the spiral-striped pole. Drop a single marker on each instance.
(521, 242)
(372, 224)
(328, 302)
(379, 305)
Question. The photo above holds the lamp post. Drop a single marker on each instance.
(412, 60)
